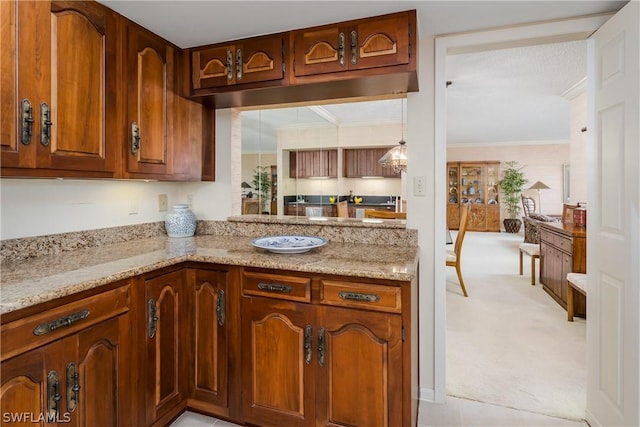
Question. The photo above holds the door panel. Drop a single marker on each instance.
(613, 238)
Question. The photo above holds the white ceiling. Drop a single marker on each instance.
(506, 95)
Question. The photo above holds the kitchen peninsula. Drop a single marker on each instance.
(192, 319)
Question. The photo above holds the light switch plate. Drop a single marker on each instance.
(163, 203)
(419, 184)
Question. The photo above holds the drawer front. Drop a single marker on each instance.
(361, 295)
(291, 288)
(42, 328)
(547, 236)
(564, 243)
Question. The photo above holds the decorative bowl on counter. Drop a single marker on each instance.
(289, 244)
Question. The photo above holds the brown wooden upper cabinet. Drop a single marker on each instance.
(313, 164)
(65, 51)
(355, 45)
(150, 78)
(359, 162)
(258, 59)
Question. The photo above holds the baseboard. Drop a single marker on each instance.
(427, 395)
(591, 420)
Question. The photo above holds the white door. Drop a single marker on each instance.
(613, 232)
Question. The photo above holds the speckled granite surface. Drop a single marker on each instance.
(26, 282)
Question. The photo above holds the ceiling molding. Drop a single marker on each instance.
(577, 89)
(509, 143)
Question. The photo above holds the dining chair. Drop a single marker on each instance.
(372, 213)
(528, 205)
(343, 209)
(454, 256)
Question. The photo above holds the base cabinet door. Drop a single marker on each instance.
(359, 380)
(24, 389)
(208, 365)
(278, 363)
(165, 321)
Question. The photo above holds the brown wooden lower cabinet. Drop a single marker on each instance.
(563, 249)
(74, 373)
(252, 346)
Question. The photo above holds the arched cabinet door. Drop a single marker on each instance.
(65, 52)
(150, 104)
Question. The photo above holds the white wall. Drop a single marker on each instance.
(578, 155)
(35, 207)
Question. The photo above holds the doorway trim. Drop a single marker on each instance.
(579, 28)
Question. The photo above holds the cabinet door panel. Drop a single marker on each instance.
(363, 359)
(381, 42)
(83, 81)
(261, 60)
(210, 327)
(319, 51)
(212, 67)
(150, 86)
(103, 378)
(9, 145)
(164, 356)
(278, 389)
(23, 389)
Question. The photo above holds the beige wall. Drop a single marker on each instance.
(578, 155)
(539, 163)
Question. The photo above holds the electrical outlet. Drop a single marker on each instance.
(163, 203)
(419, 184)
(190, 201)
(133, 207)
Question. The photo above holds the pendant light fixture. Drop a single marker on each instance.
(396, 157)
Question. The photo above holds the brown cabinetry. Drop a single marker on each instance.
(562, 250)
(360, 162)
(259, 59)
(209, 340)
(70, 364)
(311, 344)
(355, 45)
(150, 96)
(54, 54)
(313, 163)
(166, 330)
(475, 184)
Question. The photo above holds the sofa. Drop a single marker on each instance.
(532, 226)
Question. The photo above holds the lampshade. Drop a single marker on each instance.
(396, 158)
(245, 185)
(539, 185)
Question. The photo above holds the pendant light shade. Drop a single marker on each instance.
(396, 157)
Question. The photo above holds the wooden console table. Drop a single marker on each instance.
(563, 249)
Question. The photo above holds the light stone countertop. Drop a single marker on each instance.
(29, 282)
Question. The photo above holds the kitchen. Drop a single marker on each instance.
(75, 205)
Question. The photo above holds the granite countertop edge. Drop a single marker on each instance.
(38, 280)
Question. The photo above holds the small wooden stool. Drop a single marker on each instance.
(533, 250)
(577, 282)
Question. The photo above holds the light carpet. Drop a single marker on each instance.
(509, 343)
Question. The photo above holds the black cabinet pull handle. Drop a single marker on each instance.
(221, 308)
(239, 64)
(275, 287)
(26, 114)
(341, 49)
(357, 296)
(308, 333)
(135, 138)
(47, 327)
(73, 387)
(53, 396)
(321, 347)
(229, 65)
(152, 318)
(45, 124)
(354, 47)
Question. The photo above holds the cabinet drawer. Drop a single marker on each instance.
(290, 288)
(42, 328)
(361, 295)
(564, 243)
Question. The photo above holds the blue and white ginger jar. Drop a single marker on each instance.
(180, 222)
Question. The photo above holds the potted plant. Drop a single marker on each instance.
(262, 185)
(512, 184)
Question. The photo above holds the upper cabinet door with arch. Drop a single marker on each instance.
(65, 51)
(258, 59)
(381, 41)
(150, 102)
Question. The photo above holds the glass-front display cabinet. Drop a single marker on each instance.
(476, 184)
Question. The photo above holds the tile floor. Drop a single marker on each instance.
(455, 413)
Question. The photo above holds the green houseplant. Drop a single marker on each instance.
(262, 185)
(512, 184)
